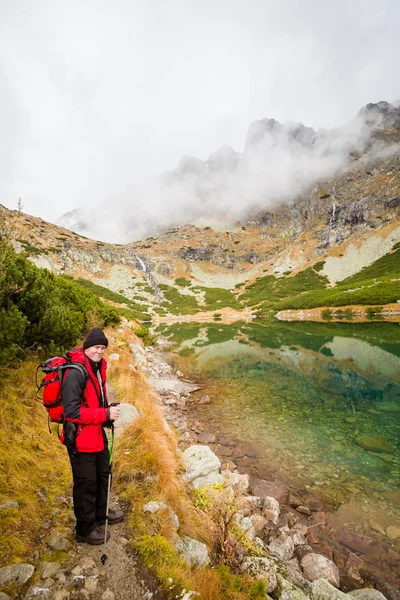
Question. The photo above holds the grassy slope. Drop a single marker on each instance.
(35, 468)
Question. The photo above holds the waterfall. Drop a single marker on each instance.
(145, 268)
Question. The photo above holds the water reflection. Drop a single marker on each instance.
(324, 398)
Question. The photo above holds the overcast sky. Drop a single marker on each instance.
(96, 96)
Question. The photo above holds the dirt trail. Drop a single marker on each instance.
(122, 573)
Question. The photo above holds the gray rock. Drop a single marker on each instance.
(4, 596)
(205, 399)
(282, 546)
(199, 461)
(213, 478)
(128, 415)
(245, 525)
(58, 542)
(261, 567)
(321, 589)
(48, 569)
(367, 594)
(9, 504)
(271, 509)
(286, 591)
(193, 552)
(317, 566)
(20, 574)
(113, 356)
(154, 507)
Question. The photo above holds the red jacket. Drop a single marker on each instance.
(86, 405)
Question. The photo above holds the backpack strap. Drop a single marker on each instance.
(81, 368)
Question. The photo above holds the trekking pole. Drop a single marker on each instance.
(104, 555)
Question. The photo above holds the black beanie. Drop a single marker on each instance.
(95, 337)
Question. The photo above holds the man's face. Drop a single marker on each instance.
(95, 353)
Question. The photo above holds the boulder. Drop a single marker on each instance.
(128, 415)
(199, 461)
(113, 356)
(19, 573)
(367, 594)
(4, 596)
(261, 567)
(287, 591)
(375, 443)
(245, 525)
(317, 566)
(193, 552)
(321, 589)
(271, 509)
(282, 546)
(58, 542)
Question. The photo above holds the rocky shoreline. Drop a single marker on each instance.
(303, 524)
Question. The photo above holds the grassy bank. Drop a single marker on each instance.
(35, 468)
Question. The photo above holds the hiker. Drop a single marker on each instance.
(87, 414)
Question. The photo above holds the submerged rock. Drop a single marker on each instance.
(375, 443)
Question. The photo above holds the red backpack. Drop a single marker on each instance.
(54, 369)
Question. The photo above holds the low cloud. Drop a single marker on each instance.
(279, 162)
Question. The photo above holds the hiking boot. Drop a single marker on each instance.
(114, 516)
(95, 538)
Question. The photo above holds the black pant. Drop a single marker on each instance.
(90, 472)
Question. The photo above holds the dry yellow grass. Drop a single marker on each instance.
(34, 465)
(146, 458)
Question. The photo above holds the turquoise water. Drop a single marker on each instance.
(322, 399)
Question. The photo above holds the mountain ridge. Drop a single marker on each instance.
(279, 162)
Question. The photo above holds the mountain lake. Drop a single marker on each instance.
(320, 403)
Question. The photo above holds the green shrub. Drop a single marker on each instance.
(183, 282)
(386, 265)
(39, 308)
(144, 333)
